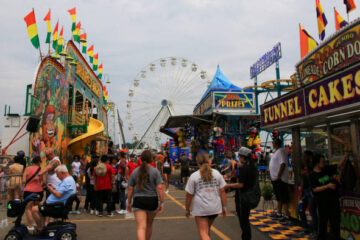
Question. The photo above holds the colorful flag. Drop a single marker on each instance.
(60, 41)
(100, 71)
(350, 5)
(73, 18)
(83, 41)
(91, 53)
(96, 60)
(321, 19)
(55, 36)
(339, 21)
(47, 20)
(76, 33)
(307, 42)
(32, 29)
(105, 95)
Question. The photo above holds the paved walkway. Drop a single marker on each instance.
(172, 224)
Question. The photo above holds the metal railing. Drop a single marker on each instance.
(11, 187)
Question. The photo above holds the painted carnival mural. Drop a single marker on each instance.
(50, 106)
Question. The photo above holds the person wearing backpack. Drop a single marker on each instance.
(104, 183)
(247, 194)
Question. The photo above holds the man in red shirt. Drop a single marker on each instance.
(103, 187)
(132, 164)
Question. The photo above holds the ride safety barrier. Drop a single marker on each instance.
(11, 187)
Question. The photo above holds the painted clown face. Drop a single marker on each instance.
(50, 124)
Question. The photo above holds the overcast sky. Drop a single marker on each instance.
(129, 34)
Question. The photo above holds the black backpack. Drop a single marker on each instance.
(251, 197)
(348, 177)
(13, 208)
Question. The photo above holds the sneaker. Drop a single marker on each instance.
(71, 212)
(92, 212)
(77, 212)
(124, 212)
(285, 219)
(119, 211)
(110, 214)
(276, 215)
(31, 230)
(167, 191)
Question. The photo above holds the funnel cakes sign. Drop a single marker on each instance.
(330, 93)
(287, 108)
(338, 53)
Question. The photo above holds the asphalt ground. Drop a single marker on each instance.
(171, 224)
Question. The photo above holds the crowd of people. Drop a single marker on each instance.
(319, 190)
(137, 183)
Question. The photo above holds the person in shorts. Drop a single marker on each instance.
(166, 171)
(60, 194)
(33, 184)
(279, 175)
(206, 187)
(144, 190)
(15, 182)
(185, 171)
(75, 166)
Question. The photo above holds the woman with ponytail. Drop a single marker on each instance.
(144, 190)
(207, 187)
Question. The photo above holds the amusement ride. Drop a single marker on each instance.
(165, 87)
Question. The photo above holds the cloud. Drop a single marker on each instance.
(129, 34)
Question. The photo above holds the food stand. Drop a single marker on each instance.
(323, 113)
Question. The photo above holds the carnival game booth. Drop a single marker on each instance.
(68, 100)
(234, 117)
(323, 113)
(182, 130)
(224, 120)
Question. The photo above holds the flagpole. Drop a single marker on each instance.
(50, 33)
(41, 57)
(335, 17)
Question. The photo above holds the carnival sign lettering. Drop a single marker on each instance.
(289, 107)
(96, 89)
(266, 61)
(234, 100)
(204, 105)
(336, 54)
(340, 90)
(83, 74)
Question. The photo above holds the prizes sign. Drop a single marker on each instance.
(266, 61)
(337, 53)
(234, 100)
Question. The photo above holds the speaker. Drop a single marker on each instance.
(33, 124)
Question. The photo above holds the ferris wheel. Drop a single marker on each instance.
(165, 87)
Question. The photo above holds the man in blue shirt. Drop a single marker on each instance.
(60, 194)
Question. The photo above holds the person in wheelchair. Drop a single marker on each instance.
(54, 205)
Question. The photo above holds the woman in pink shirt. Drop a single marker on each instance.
(33, 184)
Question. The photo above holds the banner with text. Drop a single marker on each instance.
(226, 100)
(337, 53)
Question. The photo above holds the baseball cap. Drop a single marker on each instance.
(244, 151)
